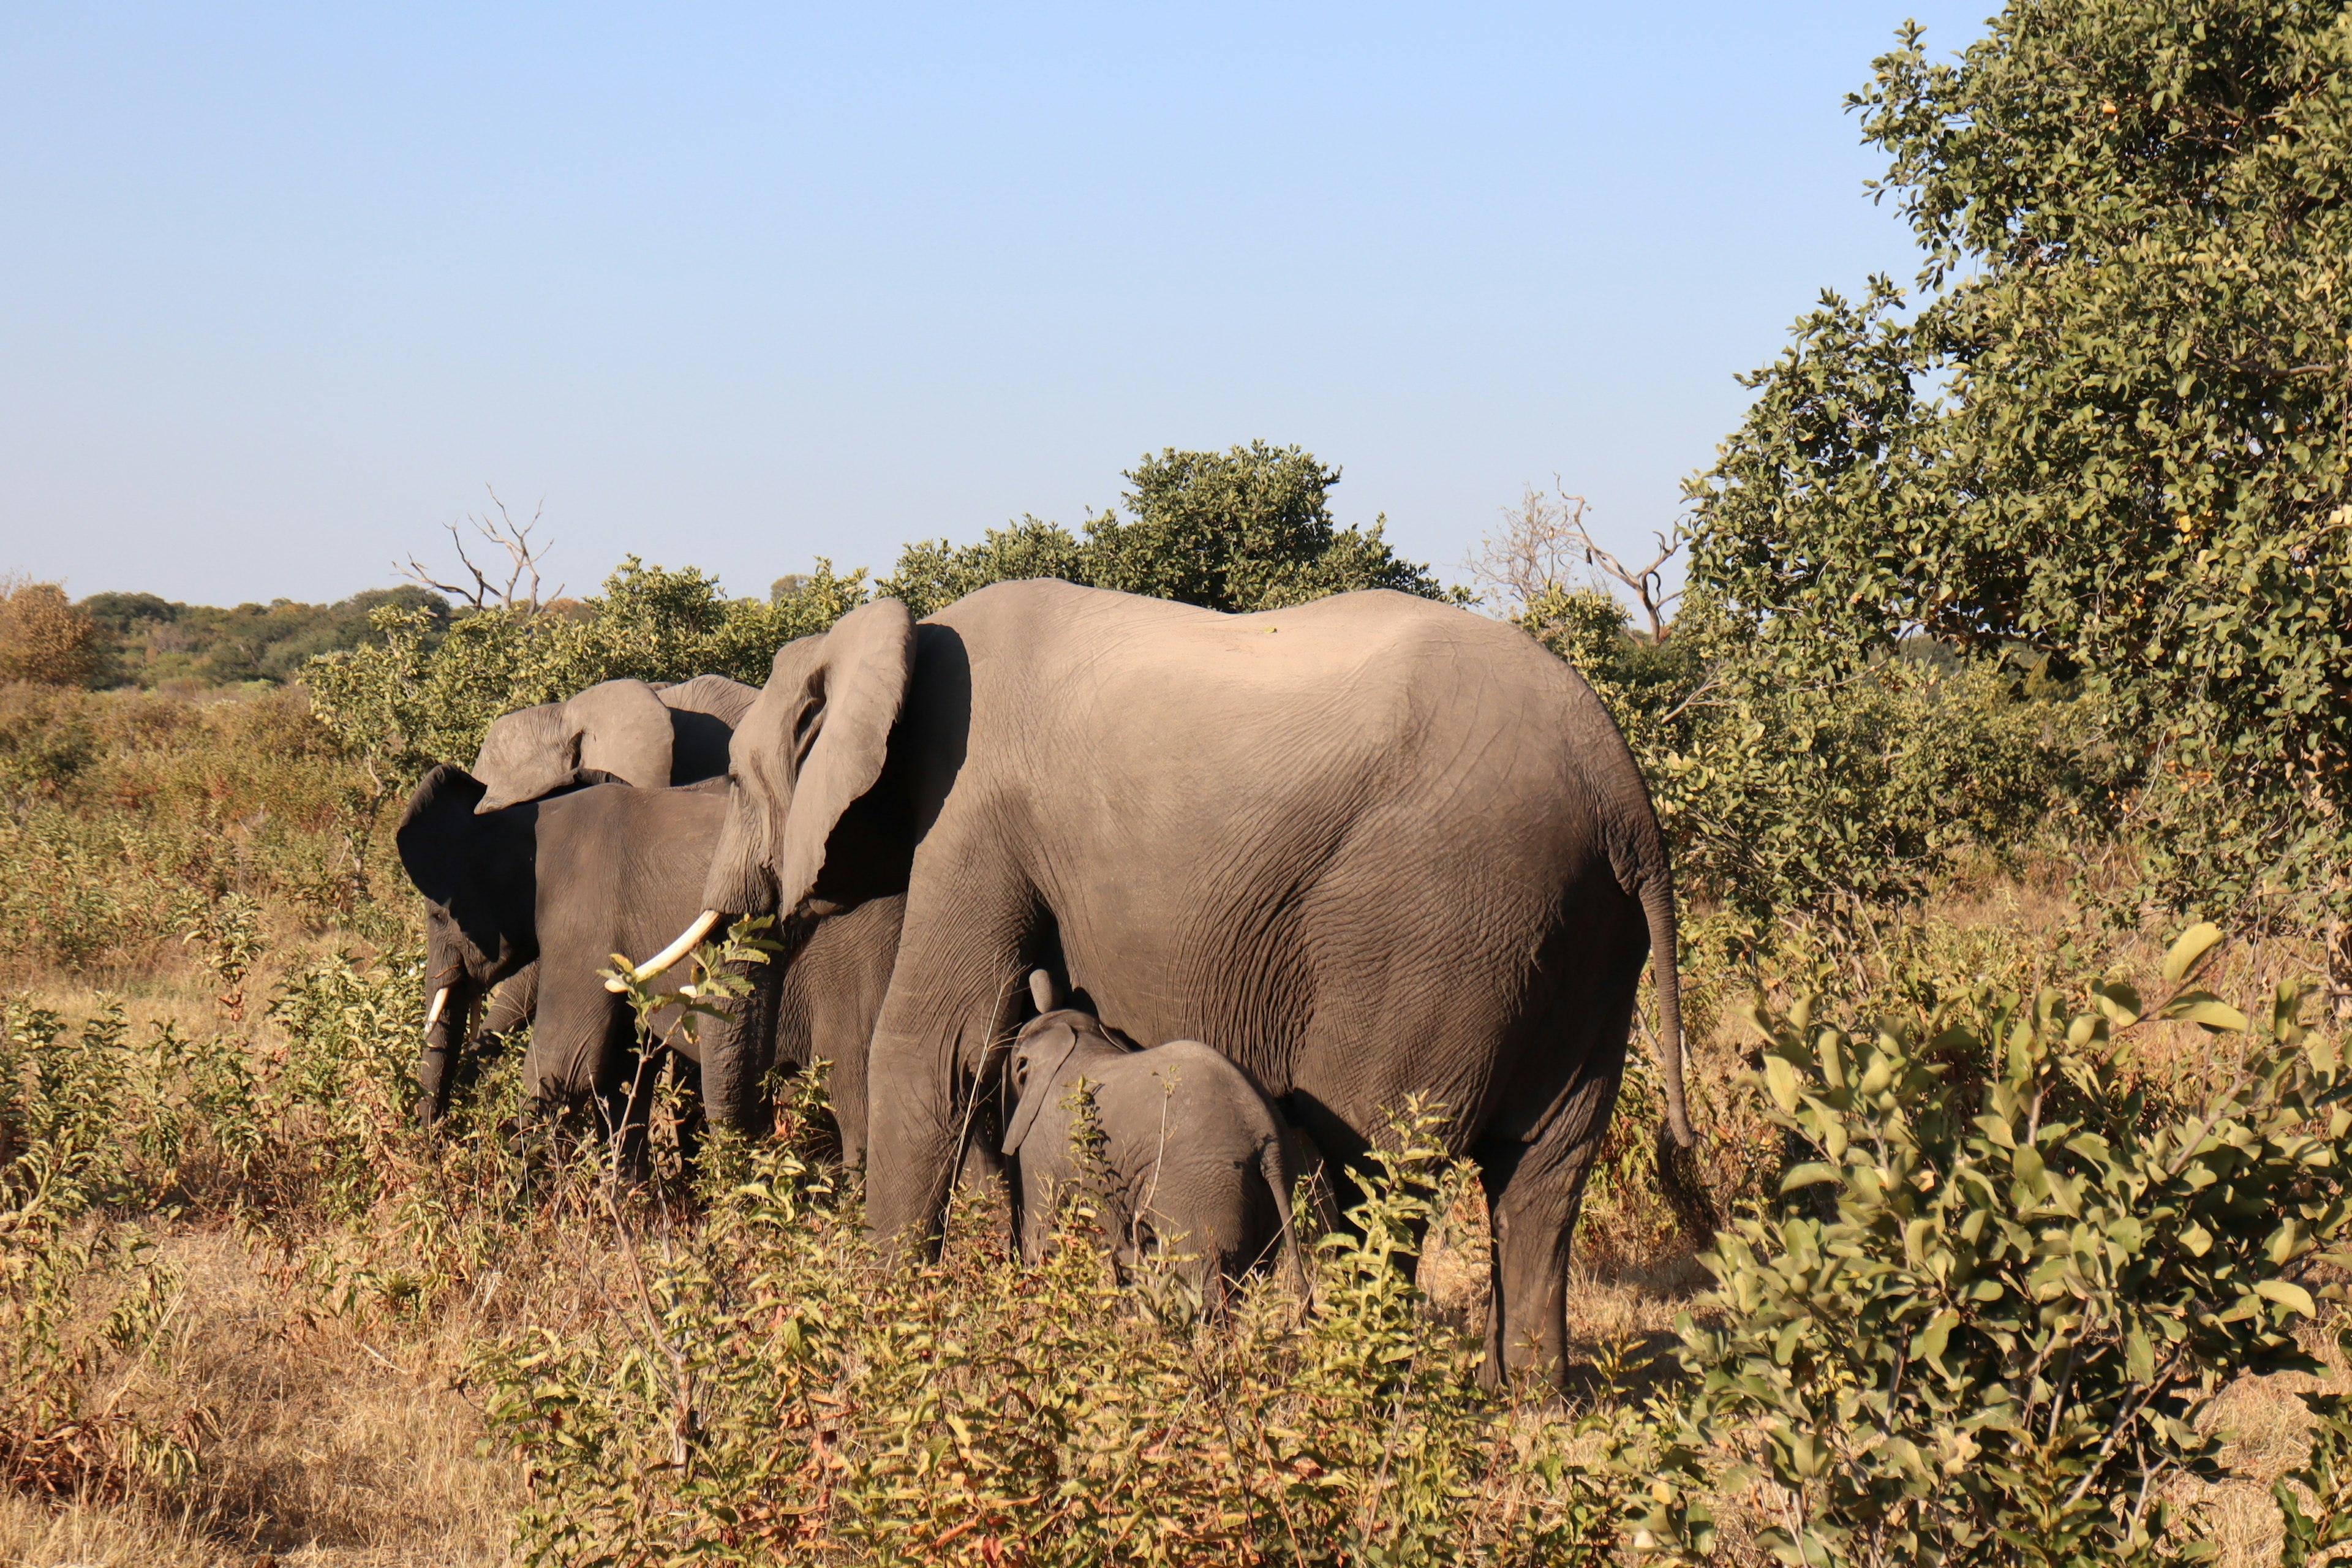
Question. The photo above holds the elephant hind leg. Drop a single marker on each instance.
(1533, 1193)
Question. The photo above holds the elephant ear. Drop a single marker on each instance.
(623, 728)
(524, 755)
(436, 833)
(1043, 1051)
(838, 730)
(723, 699)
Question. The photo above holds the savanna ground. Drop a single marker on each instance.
(265, 1318)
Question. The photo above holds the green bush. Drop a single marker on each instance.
(47, 740)
(775, 1391)
(1787, 785)
(1246, 529)
(422, 697)
(2010, 1270)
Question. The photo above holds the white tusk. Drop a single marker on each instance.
(686, 943)
(433, 1014)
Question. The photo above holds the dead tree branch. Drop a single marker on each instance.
(1542, 540)
(524, 557)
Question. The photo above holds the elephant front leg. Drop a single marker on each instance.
(953, 998)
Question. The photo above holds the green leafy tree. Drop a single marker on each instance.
(2112, 424)
(421, 697)
(934, 573)
(1246, 529)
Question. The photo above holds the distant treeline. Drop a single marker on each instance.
(147, 641)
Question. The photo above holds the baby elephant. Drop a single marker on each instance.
(1192, 1154)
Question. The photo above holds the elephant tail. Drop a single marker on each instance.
(1678, 1175)
(1657, 895)
(1275, 1165)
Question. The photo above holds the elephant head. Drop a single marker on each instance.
(618, 726)
(478, 874)
(811, 745)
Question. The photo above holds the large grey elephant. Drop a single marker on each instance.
(1192, 1161)
(648, 735)
(563, 882)
(1371, 847)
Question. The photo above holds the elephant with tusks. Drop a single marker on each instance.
(1371, 847)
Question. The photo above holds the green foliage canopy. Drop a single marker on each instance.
(2113, 426)
(146, 640)
(1246, 529)
(418, 699)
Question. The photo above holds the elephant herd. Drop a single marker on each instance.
(1336, 855)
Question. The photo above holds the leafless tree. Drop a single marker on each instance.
(524, 557)
(1542, 541)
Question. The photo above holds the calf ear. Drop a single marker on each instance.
(1047, 1049)
(622, 728)
(849, 689)
(436, 832)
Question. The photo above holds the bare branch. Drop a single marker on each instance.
(523, 555)
(1541, 540)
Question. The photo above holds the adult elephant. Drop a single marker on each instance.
(555, 886)
(1369, 848)
(651, 735)
(644, 734)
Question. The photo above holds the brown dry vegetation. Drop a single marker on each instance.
(315, 1361)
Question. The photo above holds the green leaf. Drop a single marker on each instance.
(2208, 1013)
(1811, 1174)
(2287, 1294)
(1780, 1077)
(1929, 1345)
(2187, 948)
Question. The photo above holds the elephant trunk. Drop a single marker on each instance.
(740, 880)
(736, 1056)
(445, 1016)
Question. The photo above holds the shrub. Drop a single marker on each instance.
(775, 1391)
(420, 698)
(43, 638)
(47, 740)
(1788, 784)
(1246, 529)
(2008, 1273)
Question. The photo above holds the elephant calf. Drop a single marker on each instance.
(1192, 1156)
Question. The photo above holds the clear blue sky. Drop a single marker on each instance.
(737, 286)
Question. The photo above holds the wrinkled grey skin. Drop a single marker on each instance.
(817, 1001)
(1370, 847)
(1194, 1157)
(650, 736)
(549, 891)
(621, 729)
(538, 892)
